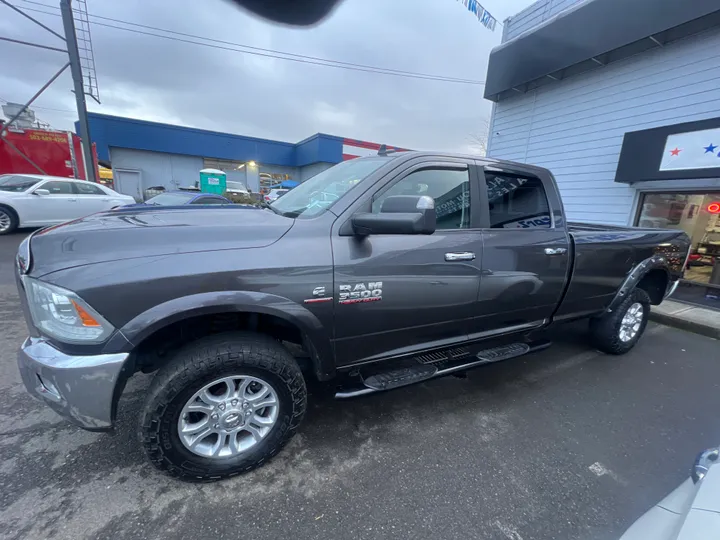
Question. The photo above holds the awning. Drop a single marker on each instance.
(590, 35)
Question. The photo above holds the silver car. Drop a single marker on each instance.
(691, 512)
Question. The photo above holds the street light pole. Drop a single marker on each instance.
(76, 71)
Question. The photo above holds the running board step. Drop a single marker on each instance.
(396, 378)
(399, 377)
(503, 352)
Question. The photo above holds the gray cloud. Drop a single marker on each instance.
(162, 80)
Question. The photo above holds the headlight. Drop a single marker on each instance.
(63, 315)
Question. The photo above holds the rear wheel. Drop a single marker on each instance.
(618, 331)
(225, 405)
(8, 220)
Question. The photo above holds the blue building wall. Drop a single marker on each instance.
(119, 132)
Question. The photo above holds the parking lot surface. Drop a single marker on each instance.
(564, 444)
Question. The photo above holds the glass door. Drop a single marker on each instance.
(698, 214)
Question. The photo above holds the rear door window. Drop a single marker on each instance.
(517, 202)
(86, 188)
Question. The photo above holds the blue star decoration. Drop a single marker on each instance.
(710, 149)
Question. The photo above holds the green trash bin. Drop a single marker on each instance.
(213, 181)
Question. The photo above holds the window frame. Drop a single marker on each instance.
(460, 165)
(485, 200)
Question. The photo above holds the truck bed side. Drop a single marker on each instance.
(605, 255)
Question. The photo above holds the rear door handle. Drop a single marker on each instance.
(555, 251)
(460, 256)
(72, 200)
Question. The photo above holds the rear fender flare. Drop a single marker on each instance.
(634, 276)
(316, 337)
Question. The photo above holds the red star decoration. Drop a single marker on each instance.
(675, 152)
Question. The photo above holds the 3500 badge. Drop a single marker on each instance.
(360, 293)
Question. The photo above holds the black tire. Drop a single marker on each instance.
(6, 211)
(200, 363)
(605, 330)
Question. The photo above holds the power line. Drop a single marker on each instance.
(258, 51)
(44, 108)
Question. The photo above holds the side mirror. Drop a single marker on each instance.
(399, 214)
(41, 192)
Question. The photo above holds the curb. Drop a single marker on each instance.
(685, 324)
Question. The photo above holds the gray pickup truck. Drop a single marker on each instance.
(377, 273)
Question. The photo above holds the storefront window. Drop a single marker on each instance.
(698, 214)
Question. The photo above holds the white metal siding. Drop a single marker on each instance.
(533, 15)
(575, 127)
(158, 168)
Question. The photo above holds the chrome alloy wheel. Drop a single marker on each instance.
(5, 221)
(229, 416)
(630, 325)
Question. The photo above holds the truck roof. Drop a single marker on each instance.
(411, 154)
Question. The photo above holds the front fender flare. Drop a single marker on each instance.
(315, 335)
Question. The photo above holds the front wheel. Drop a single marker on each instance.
(223, 406)
(8, 220)
(618, 331)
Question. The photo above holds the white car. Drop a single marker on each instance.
(29, 200)
(275, 194)
(236, 187)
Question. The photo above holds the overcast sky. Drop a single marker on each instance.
(168, 81)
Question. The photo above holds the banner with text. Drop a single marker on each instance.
(482, 14)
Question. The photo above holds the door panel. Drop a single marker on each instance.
(395, 294)
(526, 259)
(129, 182)
(521, 282)
(60, 205)
(90, 199)
(423, 298)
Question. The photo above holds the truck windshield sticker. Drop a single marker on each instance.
(360, 293)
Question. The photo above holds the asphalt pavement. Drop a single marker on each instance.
(566, 444)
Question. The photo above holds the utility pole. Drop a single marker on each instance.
(77, 76)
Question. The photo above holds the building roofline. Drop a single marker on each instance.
(589, 35)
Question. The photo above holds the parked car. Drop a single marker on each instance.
(181, 198)
(692, 511)
(418, 266)
(234, 187)
(274, 194)
(29, 200)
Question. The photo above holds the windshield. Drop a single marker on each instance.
(171, 199)
(314, 196)
(9, 182)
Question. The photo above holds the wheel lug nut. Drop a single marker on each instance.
(221, 407)
(216, 426)
(234, 402)
(245, 405)
(214, 416)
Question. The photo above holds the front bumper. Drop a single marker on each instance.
(84, 389)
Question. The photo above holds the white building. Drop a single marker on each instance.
(620, 99)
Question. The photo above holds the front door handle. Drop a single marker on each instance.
(461, 256)
(555, 251)
(72, 200)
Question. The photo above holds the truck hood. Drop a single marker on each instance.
(110, 236)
